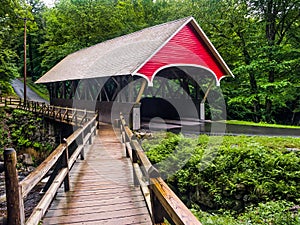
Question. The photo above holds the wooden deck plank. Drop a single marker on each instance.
(94, 209)
(121, 220)
(64, 205)
(102, 190)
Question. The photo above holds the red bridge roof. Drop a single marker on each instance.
(144, 53)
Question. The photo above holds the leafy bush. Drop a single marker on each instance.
(273, 212)
(6, 88)
(246, 171)
(23, 131)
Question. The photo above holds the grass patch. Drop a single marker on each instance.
(261, 124)
(40, 89)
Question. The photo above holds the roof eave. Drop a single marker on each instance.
(188, 19)
(211, 48)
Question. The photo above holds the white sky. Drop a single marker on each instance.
(49, 3)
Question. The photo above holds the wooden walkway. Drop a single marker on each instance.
(102, 190)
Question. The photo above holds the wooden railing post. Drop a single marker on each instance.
(76, 119)
(61, 163)
(20, 103)
(136, 116)
(82, 142)
(95, 130)
(90, 131)
(134, 160)
(65, 163)
(125, 138)
(15, 206)
(158, 211)
(35, 107)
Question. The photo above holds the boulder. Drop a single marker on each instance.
(27, 159)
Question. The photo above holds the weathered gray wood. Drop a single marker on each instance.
(41, 208)
(136, 116)
(33, 178)
(146, 165)
(75, 155)
(144, 186)
(101, 189)
(57, 113)
(15, 207)
(161, 200)
(176, 210)
(65, 164)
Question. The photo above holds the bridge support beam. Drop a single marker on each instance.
(136, 116)
(202, 104)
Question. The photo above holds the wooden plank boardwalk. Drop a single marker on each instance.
(102, 190)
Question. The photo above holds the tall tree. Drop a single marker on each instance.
(36, 36)
(259, 40)
(278, 17)
(8, 23)
(242, 34)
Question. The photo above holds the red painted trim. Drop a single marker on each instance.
(186, 47)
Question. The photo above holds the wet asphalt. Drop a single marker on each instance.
(18, 86)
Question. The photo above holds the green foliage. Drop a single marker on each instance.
(6, 88)
(273, 212)
(245, 173)
(261, 124)
(102, 20)
(22, 130)
(8, 67)
(4, 131)
(40, 89)
(258, 41)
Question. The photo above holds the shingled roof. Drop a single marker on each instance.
(123, 55)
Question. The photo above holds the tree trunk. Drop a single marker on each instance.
(252, 79)
(271, 15)
(31, 66)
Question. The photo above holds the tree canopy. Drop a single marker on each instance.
(259, 40)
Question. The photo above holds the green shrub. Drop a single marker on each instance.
(246, 170)
(6, 88)
(24, 131)
(269, 213)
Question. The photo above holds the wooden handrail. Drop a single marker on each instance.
(67, 115)
(174, 207)
(161, 201)
(61, 162)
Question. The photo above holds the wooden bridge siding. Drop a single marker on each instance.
(102, 190)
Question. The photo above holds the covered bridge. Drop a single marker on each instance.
(165, 69)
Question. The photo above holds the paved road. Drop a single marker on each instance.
(31, 95)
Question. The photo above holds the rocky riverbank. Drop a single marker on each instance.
(31, 138)
(25, 164)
